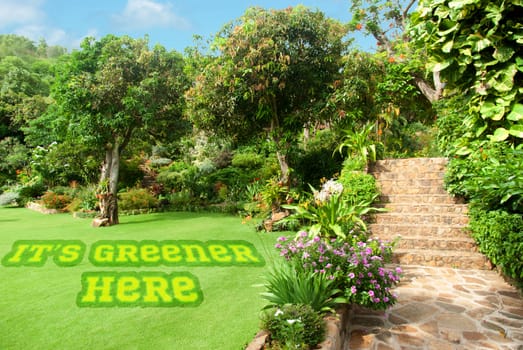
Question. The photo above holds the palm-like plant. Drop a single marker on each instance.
(359, 143)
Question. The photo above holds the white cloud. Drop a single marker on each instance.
(20, 12)
(35, 32)
(140, 14)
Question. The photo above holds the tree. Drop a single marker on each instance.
(387, 21)
(113, 90)
(272, 74)
(477, 46)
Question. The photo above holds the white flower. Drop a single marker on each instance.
(278, 313)
(293, 321)
(333, 187)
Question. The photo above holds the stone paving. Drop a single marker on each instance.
(443, 308)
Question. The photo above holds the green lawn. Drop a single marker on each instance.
(38, 304)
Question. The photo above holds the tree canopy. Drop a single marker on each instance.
(271, 73)
(113, 90)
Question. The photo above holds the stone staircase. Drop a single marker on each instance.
(430, 224)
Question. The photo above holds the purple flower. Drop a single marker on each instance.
(303, 234)
(386, 299)
(351, 275)
(353, 289)
(282, 239)
(398, 270)
(371, 293)
(316, 238)
(278, 246)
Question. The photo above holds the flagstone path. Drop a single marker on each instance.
(443, 308)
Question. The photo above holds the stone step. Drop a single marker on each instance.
(441, 258)
(433, 243)
(420, 219)
(405, 230)
(411, 166)
(410, 183)
(419, 198)
(407, 175)
(388, 189)
(416, 208)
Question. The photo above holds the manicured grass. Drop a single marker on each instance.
(38, 304)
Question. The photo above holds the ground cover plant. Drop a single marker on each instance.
(38, 303)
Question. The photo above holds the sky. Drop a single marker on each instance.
(171, 23)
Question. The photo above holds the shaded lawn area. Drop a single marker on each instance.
(38, 304)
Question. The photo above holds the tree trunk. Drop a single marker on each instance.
(284, 168)
(432, 94)
(108, 188)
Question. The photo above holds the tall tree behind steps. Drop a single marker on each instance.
(387, 21)
(114, 90)
(272, 73)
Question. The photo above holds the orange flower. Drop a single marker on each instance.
(391, 59)
(359, 26)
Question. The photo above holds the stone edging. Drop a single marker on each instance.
(41, 209)
(336, 326)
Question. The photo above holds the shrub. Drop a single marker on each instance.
(288, 284)
(87, 195)
(137, 198)
(9, 198)
(52, 200)
(31, 191)
(130, 173)
(492, 176)
(499, 235)
(248, 160)
(357, 268)
(328, 213)
(358, 186)
(178, 176)
(294, 327)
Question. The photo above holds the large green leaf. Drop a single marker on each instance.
(501, 134)
(516, 113)
(490, 110)
(516, 130)
(503, 53)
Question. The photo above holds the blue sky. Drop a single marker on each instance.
(171, 23)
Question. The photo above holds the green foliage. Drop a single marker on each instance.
(500, 237)
(13, 158)
(328, 213)
(492, 176)
(476, 45)
(314, 161)
(294, 327)
(31, 191)
(287, 284)
(450, 126)
(178, 176)
(130, 173)
(247, 159)
(137, 198)
(359, 144)
(358, 186)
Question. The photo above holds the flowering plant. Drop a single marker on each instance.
(294, 327)
(328, 213)
(356, 269)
